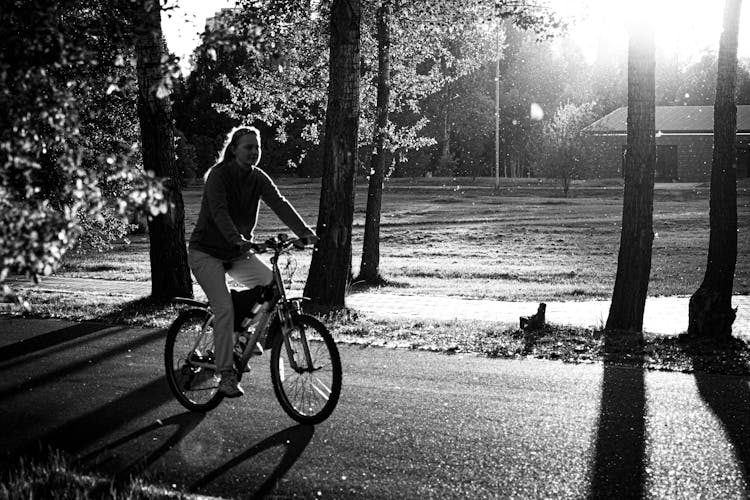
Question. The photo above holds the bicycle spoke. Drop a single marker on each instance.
(191, 355)
(322, 389)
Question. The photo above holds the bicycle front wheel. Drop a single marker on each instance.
(190, 362)
(307, 387)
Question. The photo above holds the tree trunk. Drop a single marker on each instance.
(330, 268)
(444, 141)
(442, 156)
(170, 275)
(369, 270)
(710, 311)
(636, 239)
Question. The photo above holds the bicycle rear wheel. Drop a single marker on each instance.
(308, 393)
(190, 361)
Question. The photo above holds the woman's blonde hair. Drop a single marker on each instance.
(227, 151)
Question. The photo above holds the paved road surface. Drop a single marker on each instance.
(409, 424)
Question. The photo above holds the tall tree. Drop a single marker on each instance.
(636, 239)
(369, 269)
(710, 310)
(330, 268)
(170, 275)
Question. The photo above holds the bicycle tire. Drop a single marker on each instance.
(195, 388)
(320, 396)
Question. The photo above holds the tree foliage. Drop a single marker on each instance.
(195, 98)
(67, 132)
(534, 73)
(563, 146)
(288, 86)
(284, 85)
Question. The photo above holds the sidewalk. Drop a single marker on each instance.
(663, 315)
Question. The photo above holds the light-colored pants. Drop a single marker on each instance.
(247, 270)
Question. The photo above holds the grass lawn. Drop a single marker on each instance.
(459, 237)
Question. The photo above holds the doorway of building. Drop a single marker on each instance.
(743, 162)
(666, 163)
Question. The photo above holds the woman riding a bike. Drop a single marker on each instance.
(222, 238)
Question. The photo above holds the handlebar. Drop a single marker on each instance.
(279, 243)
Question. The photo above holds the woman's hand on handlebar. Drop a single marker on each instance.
(277, 243)
(247, 245)
(310, 239)
(244, 245)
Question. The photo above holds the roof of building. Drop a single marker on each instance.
(672, 119)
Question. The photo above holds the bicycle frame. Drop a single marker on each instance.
(284, 309)
(279, 305)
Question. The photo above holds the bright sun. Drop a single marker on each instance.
(685, 28)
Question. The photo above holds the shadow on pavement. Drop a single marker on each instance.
(103, 457)
(618, 470)
(294, 439)
(85, 430)
(45, 340)
(727, 396)
(83, 364)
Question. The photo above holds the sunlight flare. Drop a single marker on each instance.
(684, 28)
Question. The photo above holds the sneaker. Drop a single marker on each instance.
(229, 386)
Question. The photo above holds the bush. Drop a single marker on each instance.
(100, 232)
(562, 149)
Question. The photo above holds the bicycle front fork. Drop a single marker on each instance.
(287, 330)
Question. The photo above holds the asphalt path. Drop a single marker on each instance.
(409, 424)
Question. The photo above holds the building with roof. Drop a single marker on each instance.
(684, 143)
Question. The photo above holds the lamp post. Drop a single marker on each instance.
(497, 110)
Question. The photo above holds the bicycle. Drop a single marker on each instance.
(305, 362)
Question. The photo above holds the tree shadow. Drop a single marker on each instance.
(103, 457)
(728, 396)
(50, 339)
(294, 439)
(78, 433)
(619, 461)
(82, 364)
(143, 307)
(120, 316)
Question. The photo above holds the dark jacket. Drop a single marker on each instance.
(229, 210)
